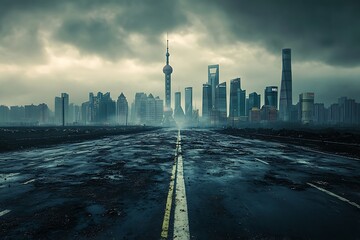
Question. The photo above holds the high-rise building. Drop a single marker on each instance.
(65, 108)
(102, 109)
(122, 110)
(167, 70)
(235, 88)
(44, 113)
(147, 110)
(206, 101)
(221, 106)
(347, 110)
(159, 110)
(178, 111)
(334, 114)
(17, 114)
(306, 101)
(188, 103)
(150, 110)
(139, 108)
(286, 86)
(242, 102)
(62, 109)
(213, 81)
(85, 113)
(71, 116)
(107, 109)
(58, 110)
(254, 101)
(4, 114)
(271, 96)
(319, 113)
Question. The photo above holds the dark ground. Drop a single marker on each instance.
(329, 140)
(15, 138)
(115, 187)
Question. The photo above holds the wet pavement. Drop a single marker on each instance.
(236, 188)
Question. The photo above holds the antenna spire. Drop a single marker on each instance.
(167, 49)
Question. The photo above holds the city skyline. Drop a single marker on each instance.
(88, 53)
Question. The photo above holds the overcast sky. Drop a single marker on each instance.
(49, 47)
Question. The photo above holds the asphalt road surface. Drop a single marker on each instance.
(193, 184)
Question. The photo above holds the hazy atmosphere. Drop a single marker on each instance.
(49, 47)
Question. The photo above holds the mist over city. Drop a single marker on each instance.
(179, 119)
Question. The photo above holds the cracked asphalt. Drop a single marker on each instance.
(237, 188)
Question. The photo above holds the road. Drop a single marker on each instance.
(224, 187)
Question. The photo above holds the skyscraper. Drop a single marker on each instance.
(271, 96)
(254, 101)
(159, 110)
(242, 102)
(167, 70)
(58, 110)
(4, 114)
(221, 106)
(62, 109)
(213, 80)
(150, 110)
(234, 110)
(188, 103)
(139, 112)
(178, 111)
(206, 101)
(286, 86)
(122, 110)
(306, 101)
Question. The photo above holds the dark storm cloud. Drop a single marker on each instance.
(108, 35)
(326, 31)
(100, 27)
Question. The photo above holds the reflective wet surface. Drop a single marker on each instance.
(116, 188)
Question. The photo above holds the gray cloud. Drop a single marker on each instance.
(94, 27)
(316, 30)
(322, 34)
(324, 31)
(107, 33)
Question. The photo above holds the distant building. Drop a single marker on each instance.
(102, 109)
(254, 115)
(206, 101)
(271, 96)
(235, 87)
(213, 81)
(221, 106)
(159, 111)
(178, 111)
(319, 114)
(347, 110)
(44, 113)
(254, 101)
(306, 101)
(268, 113)
(334, 114)
(58, 110)
(147, 110)
(242, 102)
(188, 103)
(122, 110)
(286, 86)
(65, 108)
(150, 110)
(85, 113)
(4, 114)
(17, 114)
